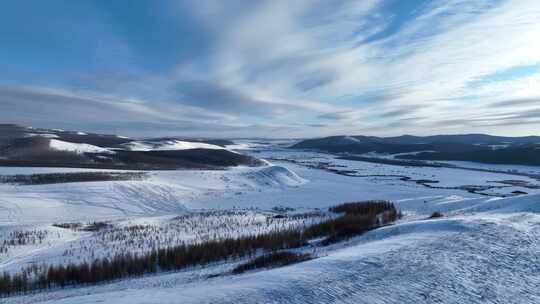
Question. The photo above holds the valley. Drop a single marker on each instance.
(63, 215)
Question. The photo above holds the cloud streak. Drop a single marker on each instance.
(302, 68)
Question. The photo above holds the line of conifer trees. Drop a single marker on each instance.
(274, 259)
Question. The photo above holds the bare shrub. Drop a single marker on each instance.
(435, 215)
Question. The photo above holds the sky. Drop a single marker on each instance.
(272, 68)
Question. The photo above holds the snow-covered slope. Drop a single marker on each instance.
(478, 257)
(60, 145)
(164, 192)
(49, 147)
(276, 176)
(168, 145)
(45, 135)
(529, 204)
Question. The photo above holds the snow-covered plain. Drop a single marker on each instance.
(484, 249)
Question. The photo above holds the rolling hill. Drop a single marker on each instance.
(466, 147)
(23, 146)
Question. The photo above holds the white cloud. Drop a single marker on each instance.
(303, 68)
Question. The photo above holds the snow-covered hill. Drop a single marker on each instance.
(61, 145)
(168, 145)
(24, 146)
(275, 176)
(164, 192)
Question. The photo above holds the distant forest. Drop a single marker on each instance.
(527, 155)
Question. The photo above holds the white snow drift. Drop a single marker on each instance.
(169, 145)
(61, 145)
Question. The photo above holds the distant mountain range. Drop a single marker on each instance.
(465, 147)
(25, 146)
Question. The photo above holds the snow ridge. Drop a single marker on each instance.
(61, 145)
(169, 145)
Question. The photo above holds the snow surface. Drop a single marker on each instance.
(351, 139)
(497, 167)
(169, 145)
(61, 145)
(484, 249)
(279, 183)
(277, 176)
(246, 144)
(46, 135)
(465, 258)
(164, 192)
(61, 246)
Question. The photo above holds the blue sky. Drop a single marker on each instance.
(272, 68)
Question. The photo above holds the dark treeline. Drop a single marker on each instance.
(128, 265)
(364, 208)
(435, 215)
(394, 162)
(274, 259)
(357, 219)
(524, 154)
(70, 177)
(94, 226)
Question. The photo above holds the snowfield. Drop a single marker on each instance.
(165, 192)
(46, 135)
(168, 145)
(61, 145)
(464, 258)
(483, 250)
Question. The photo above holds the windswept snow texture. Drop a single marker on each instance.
(60, 145)
(277, 176)
(483, 250)
(462, 258)
(164, 192)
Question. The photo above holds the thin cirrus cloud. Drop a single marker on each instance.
(273, 68)
(517, 102)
